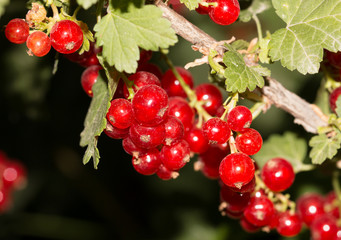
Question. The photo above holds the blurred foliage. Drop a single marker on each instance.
(41, 119)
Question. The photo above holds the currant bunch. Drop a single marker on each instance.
(40, 33)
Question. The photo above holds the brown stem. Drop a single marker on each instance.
(304, 113)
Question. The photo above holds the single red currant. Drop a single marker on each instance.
(239, 118)
(210, 161)
(331, 205)
(333, 59)
(147, 137)
(147, 163)
(174, 130)
(89, 77)
(278, 174)
(172, 85)
(236, 170)
(289, 225)
(197, 140)
(141, 79)
(152, 68)
(166, 174)
(66, 36)
(114, 132)
(247, 226)
(324, 228)
(120, 113)
(17, 31)
(310, 207)
(38, 44)
(249, 141)
(176, 156)
(333, 98)
(179, 108)
(211, 97)
(235, 202)
(150, 105)
(259, 212)
(216, 131)
(226, 12)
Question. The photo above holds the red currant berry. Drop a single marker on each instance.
(259, 212)
(331, 205)
(176, 156)
(201, 9)
(174, 130)
(179, 108)
(114, 132)
(324, 228)
(150, 105)
(17, 31)
(233, 215)
(333, 98)
(210, 161)
(89, 77)
(38, 44)
(120, 113)
(13, 175)
(66, 36)
(130, 147)
(147, 137)
(152, 68)
(247, 226)
(278, 174)
(140, 80)
(334, 59)
(147, 163)
(310, 207)
(226, 12)
(172, 85)
(216, 131)
(197, 140)
(166, 174)
(289, 225)
(236, 170)
(145, 56)
(249, 141)
(210, 95)
(235, 202)
(239, 118)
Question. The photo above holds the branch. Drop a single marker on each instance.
(305, 114)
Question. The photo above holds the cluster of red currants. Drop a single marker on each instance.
(65, 36)
(320, 214)
(258, 204)
(12, 177)
(222, 12)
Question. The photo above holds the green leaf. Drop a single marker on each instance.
(311, 26)
(121, 35)
(257, 7)
(240, 44)
(338, 107)
(239, 76)
(3, 4)
(324, 147)
(86, 3)
(191, 4)
(287, 146)
(95, 121)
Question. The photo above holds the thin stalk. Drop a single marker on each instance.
(259, 27)
(214, 65)
(55, 11)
